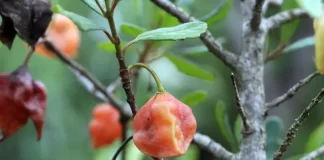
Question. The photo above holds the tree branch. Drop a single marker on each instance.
(213, 147)
(281, 18)
(246, 124)
(257, 12)
(93, 85)
(291, 134)
(227, 57)
(318, 152)
(123, 71)
(291, 92)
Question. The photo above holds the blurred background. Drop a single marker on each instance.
(66, 136)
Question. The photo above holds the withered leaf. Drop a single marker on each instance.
(21, 98)
(27, 18)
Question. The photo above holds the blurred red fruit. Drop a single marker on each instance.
(64, 35)
(105, 125)
(21, 98)
(164, 127)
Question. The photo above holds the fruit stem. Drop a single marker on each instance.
(29, 54)
(156, 78)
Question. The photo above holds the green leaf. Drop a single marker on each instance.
(194, 98)
(316, 138)
(302, 43)
(223, 122)
(189, 68)
(218, 13)
(289, 29)
(84, 24)
(131, 29)
(275, 134)
(109, 47)
(313, 7)
(179, 32)
(296, 157)
(191, 154)
(93, 5)
(237, 129)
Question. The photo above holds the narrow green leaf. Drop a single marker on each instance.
(93, 5)
(316, 138)
(179, 32)
(275, 134)
(295, 157)
(84, 24)
(109, 47)
(223, 122)
(218, 13)
(302, 43)
(194, 98)
(313, 7)
(190, 68)
(131, 29)
(289, 29)
(237, 129)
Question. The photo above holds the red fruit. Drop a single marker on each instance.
(21, 98)
(105, 125)
(164, 127)
(64, 35)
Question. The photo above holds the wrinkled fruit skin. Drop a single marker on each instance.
(105, 125)
(318, 25)
(64, 35)
(164, 127)
(21, 98)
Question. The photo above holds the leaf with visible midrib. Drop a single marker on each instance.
(189, 68)
(179, 32)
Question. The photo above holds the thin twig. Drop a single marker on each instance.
(122, 147)
(246, 124)
(275, 53)
(98, 85)
(29, 55)
(291, 92)
(100, 7)
(124, 139)
(291, 134)
(227, 57)
(123, 71)
(256, 18)
(114, 5)
(316, 153)
(213, 147)
(283, 17)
